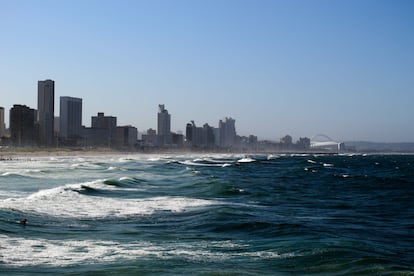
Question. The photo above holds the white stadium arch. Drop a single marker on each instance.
(322, 141)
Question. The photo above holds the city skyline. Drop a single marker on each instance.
(278, 67)
(70, 127)
(30, 127)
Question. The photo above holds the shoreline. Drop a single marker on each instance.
(17, 153)
(9, 154)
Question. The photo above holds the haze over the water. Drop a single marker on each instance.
(342, 68)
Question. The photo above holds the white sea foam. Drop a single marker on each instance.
(44, 168)
(126, 159)
(266, 255)
(68, 201)
(154, 159)
(246, 160)
(9, 194)
(191, 163)
(23, 172)
(86, 165)
(125, 178)
(199, 160)
(19, 252)
(272, 156)
(10, 173)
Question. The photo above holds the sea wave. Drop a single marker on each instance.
(69, 201)
(19, 252)
(318, 214)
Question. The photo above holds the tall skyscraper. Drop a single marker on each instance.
(164, 125)
(2, 126)
(70, 118)
(46, 110)
(227, 132)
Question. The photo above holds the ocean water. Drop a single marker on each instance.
(208, 215)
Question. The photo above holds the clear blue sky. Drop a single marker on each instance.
(342, 68)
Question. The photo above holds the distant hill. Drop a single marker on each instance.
(379, 147)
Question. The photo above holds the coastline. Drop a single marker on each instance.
(18, 153)
(10, 154)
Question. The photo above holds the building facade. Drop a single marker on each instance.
(70, 118)
(164, 126)
(102, 121)
(286, 142)
(125, 137)
(96, 137)
(23, 130)
(46, 110)
(303, 143)
(102, 132)
(200, 137)
(227, 132)
(150, 139)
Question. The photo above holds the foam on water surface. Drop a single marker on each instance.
(19, 252)
(294, 214)
(68, 201)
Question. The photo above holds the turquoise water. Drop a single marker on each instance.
(208, 215)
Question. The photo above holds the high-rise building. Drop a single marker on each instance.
(286, 141)
(150, 139)
(125, 136)
(56, 126)
(102, 132)
(46, 110)
(164, 126)
(22, 125)
(303, 143)
(227, 132)
(189, 132)
(70, 118)
(2, 126)
(202, 137)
